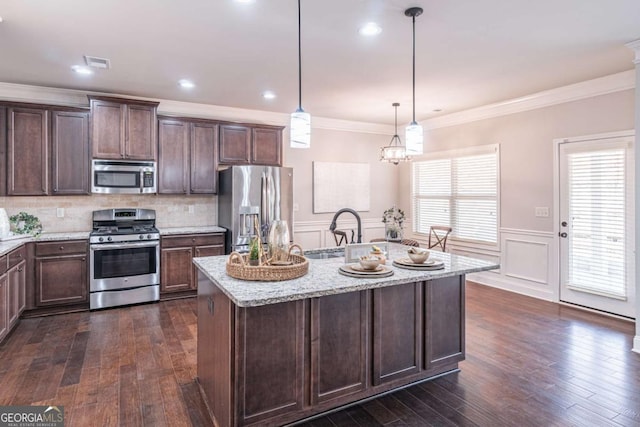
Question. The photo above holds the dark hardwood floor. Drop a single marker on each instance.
(529, 363)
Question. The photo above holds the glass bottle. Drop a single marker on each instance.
(278, 241)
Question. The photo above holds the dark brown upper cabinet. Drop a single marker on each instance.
(69, 152)
(27, 151)
(187, 162)
(257, 145)
(123, 128)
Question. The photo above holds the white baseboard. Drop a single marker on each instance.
(636, 344)
(496, 281)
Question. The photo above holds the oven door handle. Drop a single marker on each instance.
(108, 246)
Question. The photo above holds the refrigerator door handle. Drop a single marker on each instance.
(264, 208)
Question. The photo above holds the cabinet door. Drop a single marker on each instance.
(61, 280)
(397, 329)
(204, 163)
(4, 309)
(235, 144)
(3, 151)
(266, 146)
(107, 129)
(339, 346)
(27, 154)
(444, 322)
(140, 132)
(176, 269)
(16, 291)
(69, 153)
(173, 152)
(270, 382)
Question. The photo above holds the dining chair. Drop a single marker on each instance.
(438, 235)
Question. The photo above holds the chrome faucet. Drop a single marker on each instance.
(333, 225)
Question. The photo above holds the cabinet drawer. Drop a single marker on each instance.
(17, 255)
(61, 247)
(3, 264)
(193, 240)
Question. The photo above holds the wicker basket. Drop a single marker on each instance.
(239, 268)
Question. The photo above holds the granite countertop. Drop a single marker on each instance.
(324, 279)
(7, 246)
(16, 241)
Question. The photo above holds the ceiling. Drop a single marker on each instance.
(468, 52)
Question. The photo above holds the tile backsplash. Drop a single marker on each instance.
(171, 211)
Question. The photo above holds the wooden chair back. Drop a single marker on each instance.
(438, 235)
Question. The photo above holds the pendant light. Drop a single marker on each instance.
(300, 129)
(395, 151)
(413, 135)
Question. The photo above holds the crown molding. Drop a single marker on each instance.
(635, 46)
(77, 98)
(587, 89)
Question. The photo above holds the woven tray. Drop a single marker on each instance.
(239, 268)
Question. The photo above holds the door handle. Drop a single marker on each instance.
(563, 234)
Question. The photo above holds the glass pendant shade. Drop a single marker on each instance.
(300, 129)
(413, 138)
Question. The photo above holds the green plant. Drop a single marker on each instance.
(254, 249)
(24, 223)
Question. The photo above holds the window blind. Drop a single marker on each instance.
(458, 191)
(597, 220)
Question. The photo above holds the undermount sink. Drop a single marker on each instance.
(324, 255)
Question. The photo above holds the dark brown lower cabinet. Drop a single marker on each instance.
(177, 272)
(274, 364)
(4, 306)
(16, 281)
(339, 332)
(61, 273)
(397, 332)
(444, 323)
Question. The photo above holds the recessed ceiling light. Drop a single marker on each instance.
(370, 29)
(245, 1)
(186, 84)
(81, 69)
(268, 95)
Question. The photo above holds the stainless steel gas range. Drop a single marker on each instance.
(124, 258)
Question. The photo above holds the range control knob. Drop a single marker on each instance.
(109, 239)
(141, 236)
(148, 236)
(101, 239)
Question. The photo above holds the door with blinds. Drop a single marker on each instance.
(597, 225)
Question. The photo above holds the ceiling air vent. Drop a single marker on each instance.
(95, 62)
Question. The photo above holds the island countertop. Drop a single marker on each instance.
(324, 279)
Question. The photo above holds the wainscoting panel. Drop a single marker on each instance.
(528, 264)
(316, 234)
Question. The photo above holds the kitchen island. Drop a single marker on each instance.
(272, 353)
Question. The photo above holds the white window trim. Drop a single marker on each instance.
(461, 152)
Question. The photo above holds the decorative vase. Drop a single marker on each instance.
(392, 232)
(279, 241)
(5, 225)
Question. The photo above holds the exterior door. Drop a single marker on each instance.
(597, 224)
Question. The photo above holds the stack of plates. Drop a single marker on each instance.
(356, 270)
(430, 264)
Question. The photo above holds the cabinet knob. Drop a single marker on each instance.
(19, 254)
(55, 190)
(83, 259)
(193, 239)
(20, 270)
(61, 248)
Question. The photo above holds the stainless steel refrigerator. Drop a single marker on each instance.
(250, 194)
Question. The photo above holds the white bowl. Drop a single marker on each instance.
(418, 256)
(369, 262)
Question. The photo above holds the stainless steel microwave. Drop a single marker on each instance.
(123, 177)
